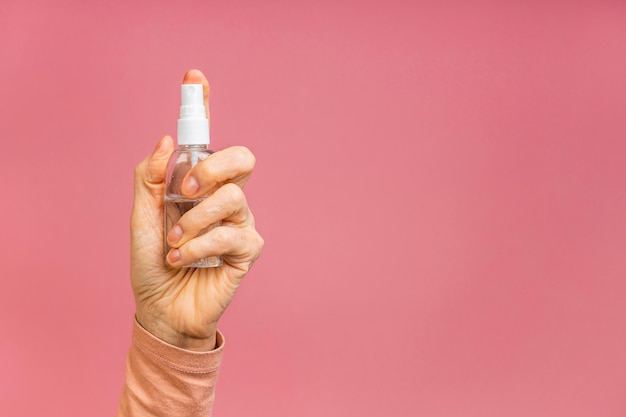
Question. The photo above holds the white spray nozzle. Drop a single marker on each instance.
(193, 126)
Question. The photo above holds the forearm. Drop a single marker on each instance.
(163, 380)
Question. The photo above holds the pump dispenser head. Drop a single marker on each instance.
(193, 126)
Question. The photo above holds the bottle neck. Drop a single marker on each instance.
(195, 147)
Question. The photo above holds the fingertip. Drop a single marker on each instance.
(174, 235)
(156, 163)
(190, 186)
(166, 144)
(195, 76)
(173, 257)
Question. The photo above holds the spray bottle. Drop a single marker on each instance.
(193, 140)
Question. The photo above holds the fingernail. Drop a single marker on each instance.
(174, 256)
(159, 146)
(190, 186)
(175, 234)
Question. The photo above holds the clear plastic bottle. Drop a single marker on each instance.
(193, 140)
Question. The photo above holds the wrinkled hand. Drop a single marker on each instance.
(182, 306)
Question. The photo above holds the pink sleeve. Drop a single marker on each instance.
(163, 380)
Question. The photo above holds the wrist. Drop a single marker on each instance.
(181, 340)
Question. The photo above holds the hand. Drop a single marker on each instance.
(182, 306)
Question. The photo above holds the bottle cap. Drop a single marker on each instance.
(193, 126)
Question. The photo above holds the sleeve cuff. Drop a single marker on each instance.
(176, 358)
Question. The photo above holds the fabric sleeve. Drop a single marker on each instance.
(164, 380)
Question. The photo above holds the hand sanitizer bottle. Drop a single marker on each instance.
(193, 140)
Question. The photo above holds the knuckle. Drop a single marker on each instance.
(255, 246)
(140, 169)
(255, 242)
(234, 194)
(260, 242)
(251, 221)
(223, 237)
(245, 155)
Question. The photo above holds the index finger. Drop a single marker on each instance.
(230, 165)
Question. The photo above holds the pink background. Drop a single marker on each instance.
(441, 188)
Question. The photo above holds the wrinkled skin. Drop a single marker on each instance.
(182, 306)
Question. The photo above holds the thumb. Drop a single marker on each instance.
(150, 174)
(147, 212)
(146, 219)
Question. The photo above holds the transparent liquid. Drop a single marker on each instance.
(175, 207)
